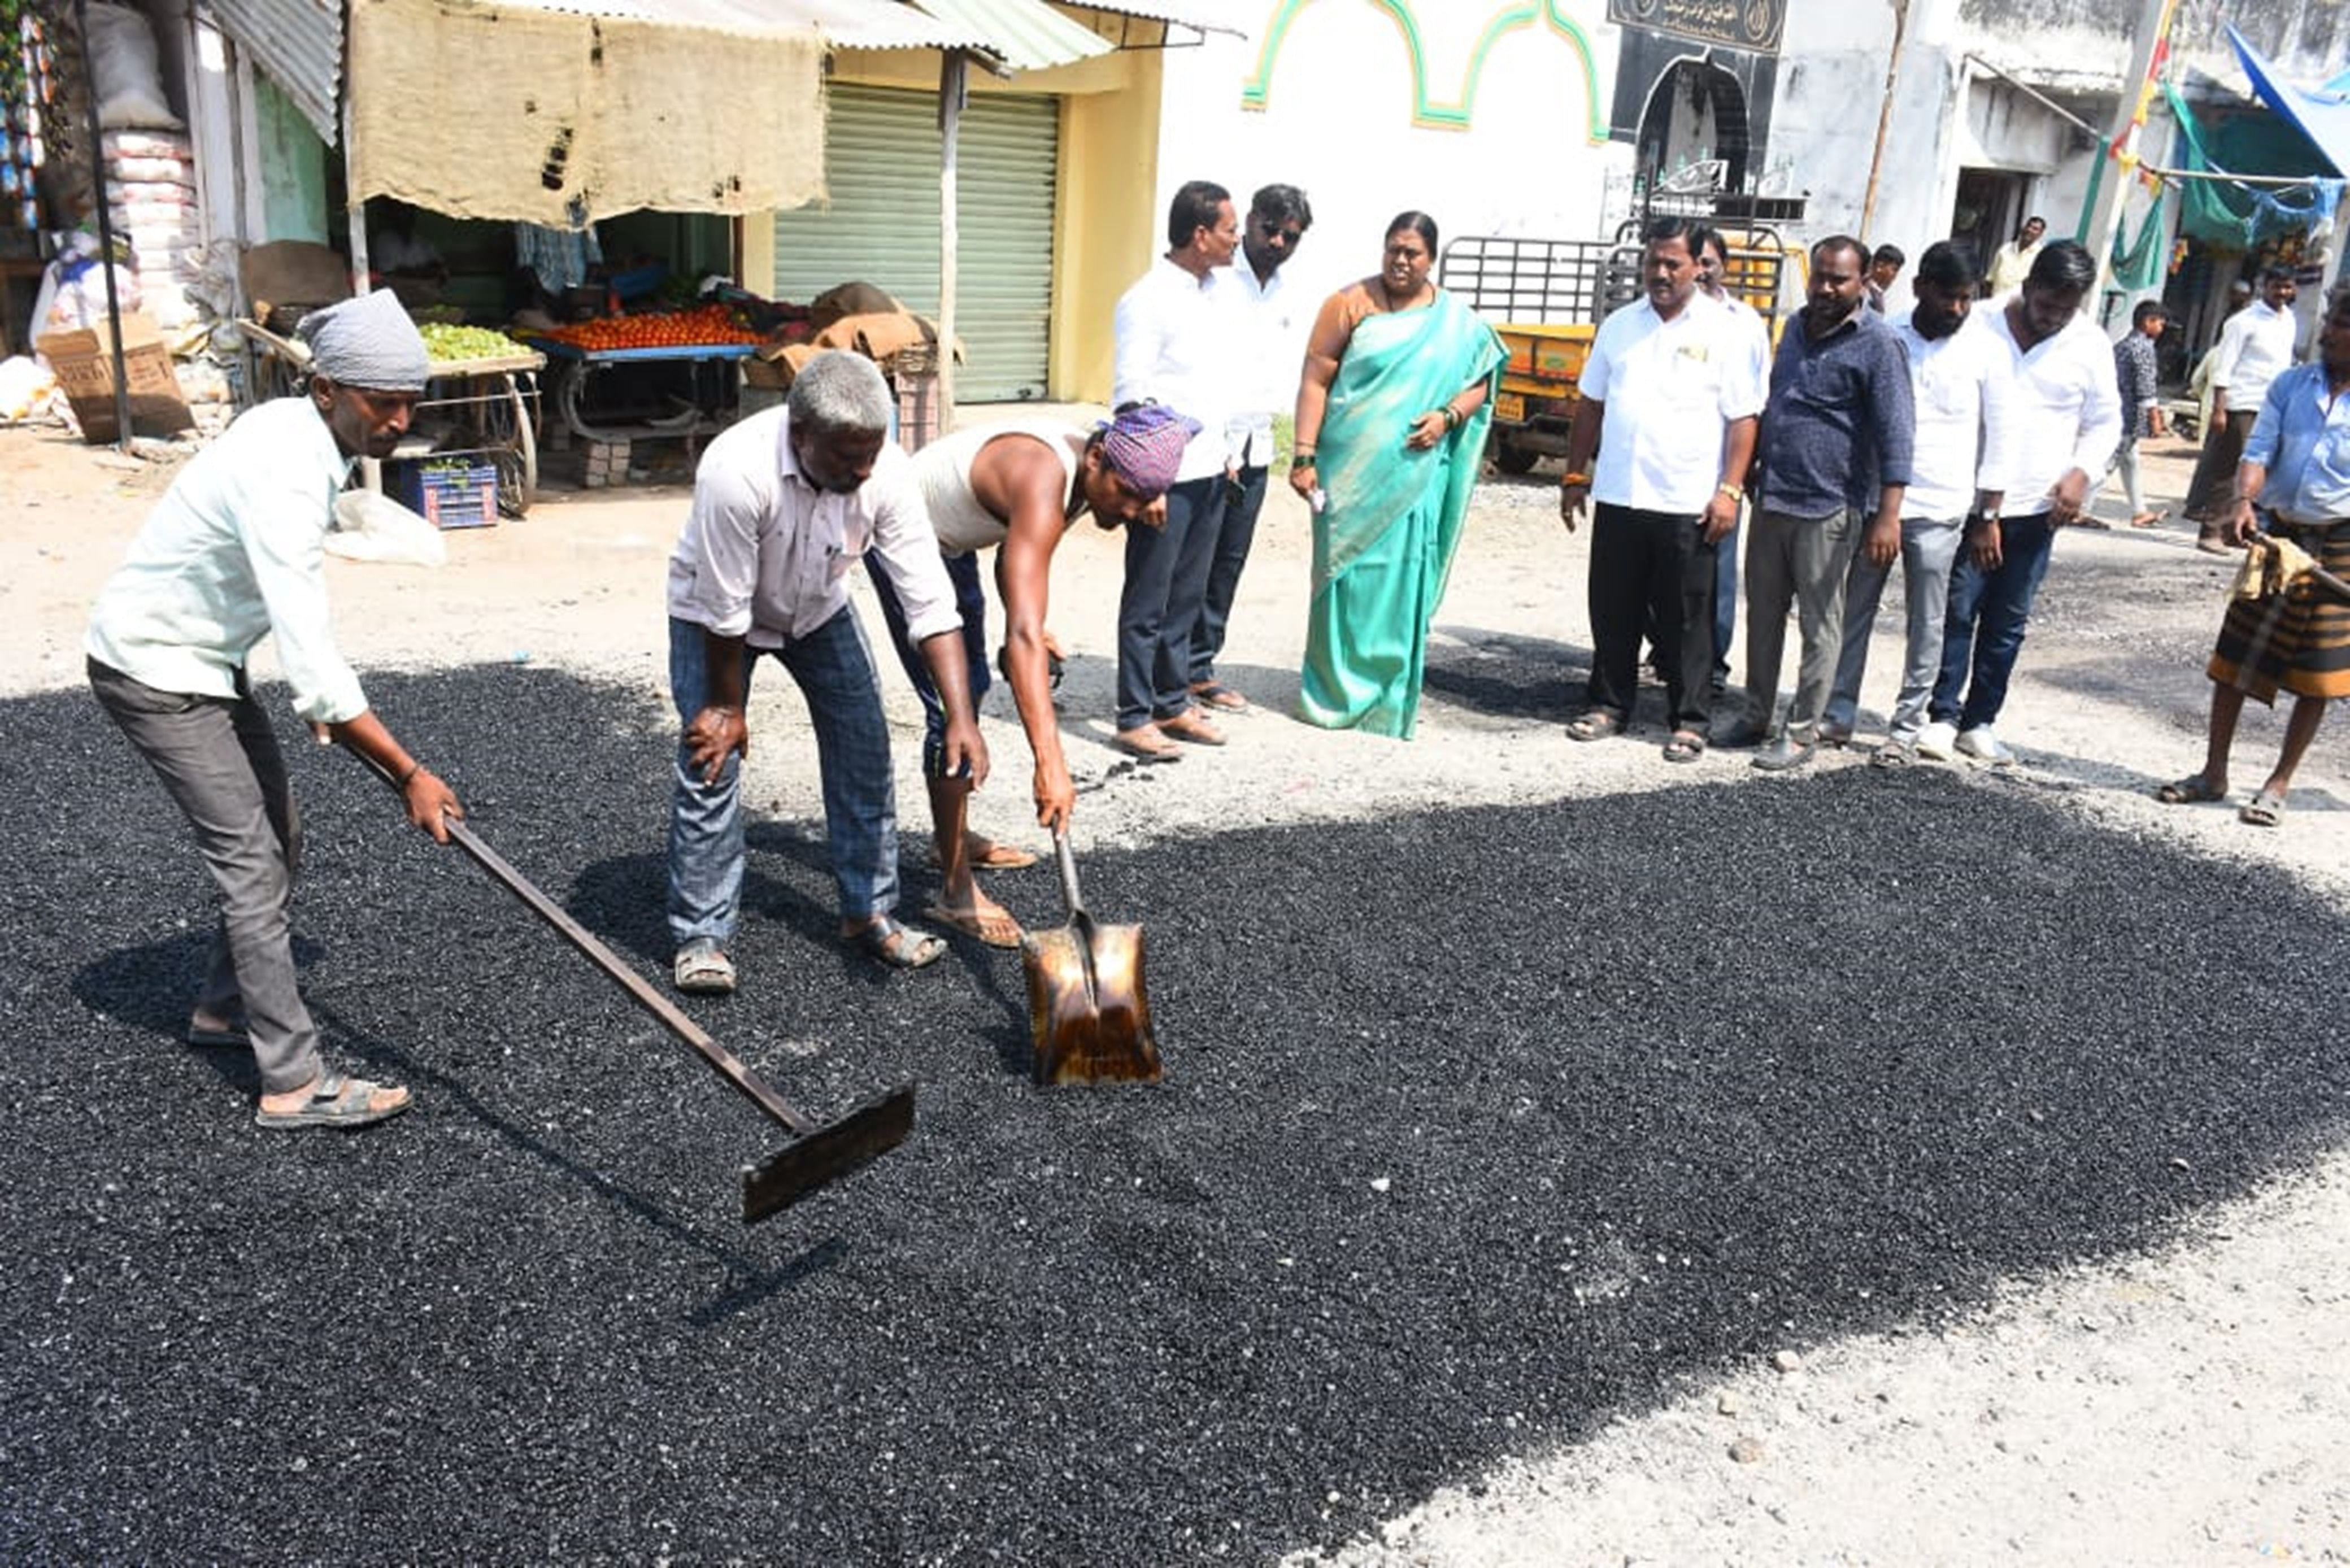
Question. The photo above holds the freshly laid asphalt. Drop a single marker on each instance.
(1480, 1125)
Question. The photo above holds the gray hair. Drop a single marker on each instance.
(838, 391)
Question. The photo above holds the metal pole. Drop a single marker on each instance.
(105, 235)
(2099, 221)
(1884, 113)
(355, 222)
(954, 85)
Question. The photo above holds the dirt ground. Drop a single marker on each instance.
(2170, 1407)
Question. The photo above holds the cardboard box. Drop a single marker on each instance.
(83, 363)
(773, 367)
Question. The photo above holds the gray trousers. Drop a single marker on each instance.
(1798, 562)
(221, 765)
(2125, 462)
(1929, 546)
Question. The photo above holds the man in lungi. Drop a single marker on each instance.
(2296, 470)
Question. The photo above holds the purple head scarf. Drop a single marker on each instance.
(1144, 446)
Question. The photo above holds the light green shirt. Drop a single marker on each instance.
(234, 553)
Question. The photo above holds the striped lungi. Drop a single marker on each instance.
(2299, 641)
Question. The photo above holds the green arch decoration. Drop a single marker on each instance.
(1425, 111)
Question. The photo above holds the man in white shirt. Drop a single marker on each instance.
(1712, 278)
(235, 553)
(2254, 348)
(1667, 401)
(2065, 416)
(785, 504)
(1270, 337)
(1176, 347)
(1959, 380)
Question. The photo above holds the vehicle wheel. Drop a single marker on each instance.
(1511, 458)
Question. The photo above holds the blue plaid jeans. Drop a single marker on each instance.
(835, 672)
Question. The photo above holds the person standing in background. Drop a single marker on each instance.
(1669, 395)
(2066, 418)
(2137, 378)
(1271, 341)
(1176, 347)
(2012, 262)
(1885, 265)
(1959, 382)
(1834, 458)
(2254, 347)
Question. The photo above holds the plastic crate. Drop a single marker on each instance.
(447, 492)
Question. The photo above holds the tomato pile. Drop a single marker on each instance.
(666, 329)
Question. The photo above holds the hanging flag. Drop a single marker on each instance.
(2124, 148)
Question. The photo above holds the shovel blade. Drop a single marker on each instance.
(1087, 1011)
(833, 1150)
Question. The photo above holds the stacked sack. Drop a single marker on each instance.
(150, 163)
(150, 187)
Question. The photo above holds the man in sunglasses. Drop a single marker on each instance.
(1272, 338)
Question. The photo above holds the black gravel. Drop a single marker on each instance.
(1480, 1126)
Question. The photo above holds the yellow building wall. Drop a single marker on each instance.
(1107, 228)
(1104, 231)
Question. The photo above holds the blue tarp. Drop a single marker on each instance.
(2322, 115)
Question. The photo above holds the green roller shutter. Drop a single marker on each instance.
(881, 164)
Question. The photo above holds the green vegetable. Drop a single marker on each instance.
(446, 343)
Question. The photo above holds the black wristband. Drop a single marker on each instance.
(405, 779)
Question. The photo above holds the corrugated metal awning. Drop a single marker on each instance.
(1200, 16)
(1026, 34)
(300, 44)
(844, 23)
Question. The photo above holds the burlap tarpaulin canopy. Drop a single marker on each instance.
(521, 111)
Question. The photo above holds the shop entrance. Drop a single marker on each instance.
(881, 225)
(1693, 137)
(1989, 209)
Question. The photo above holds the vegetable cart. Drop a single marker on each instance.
(485, 406)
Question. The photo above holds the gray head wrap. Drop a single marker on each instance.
(368, 342)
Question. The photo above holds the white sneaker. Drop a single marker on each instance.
(1985, 747)
(1936, 740)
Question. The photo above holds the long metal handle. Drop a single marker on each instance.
(728, 1066)
(1067, 861)
(724, 1062)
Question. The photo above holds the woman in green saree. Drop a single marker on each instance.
(1391, 418)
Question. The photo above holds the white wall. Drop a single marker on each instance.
(1338, 123)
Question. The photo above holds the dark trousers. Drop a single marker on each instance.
(2214, 471)
(1166, 583)
(1238, 532)
(1984, 630)
(1652, 569)
(971, 599)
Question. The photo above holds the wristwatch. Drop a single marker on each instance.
(1735, 492)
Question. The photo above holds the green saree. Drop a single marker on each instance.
(1384, 543)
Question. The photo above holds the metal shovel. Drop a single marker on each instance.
(819, 1152)
(1086, 1007)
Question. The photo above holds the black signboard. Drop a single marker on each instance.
(1753, 26)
